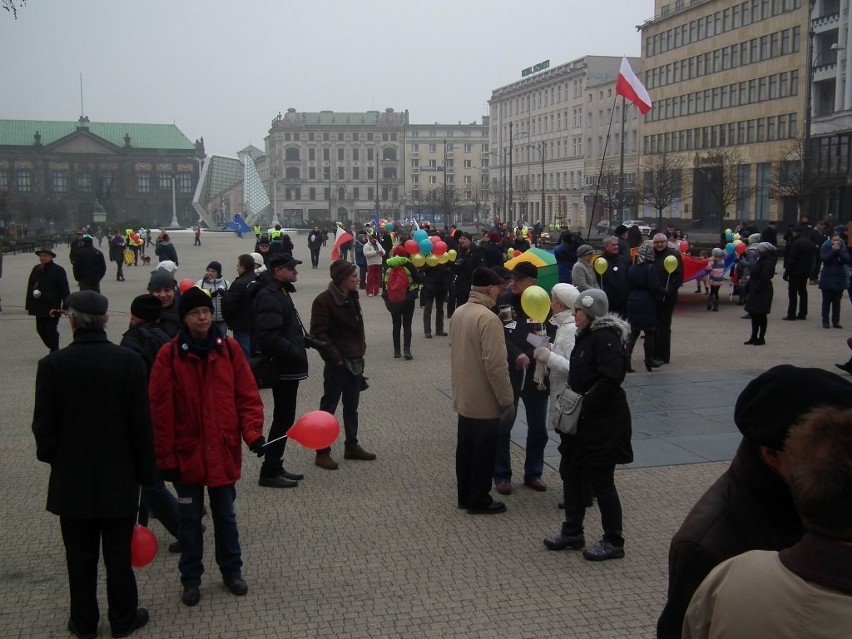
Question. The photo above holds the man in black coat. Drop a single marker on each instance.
(47, 289)
(770, 233)
(665, 306)
(469, 257)
(798, 262)
(89, 266)
(116, 253)
(614, 277)
(238, 306)
(98, 460)
(279, 335)
(165, 250)
(750, 506)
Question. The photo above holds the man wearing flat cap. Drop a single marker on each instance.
(98, 460)
(203, 401)
(482, 392)
(750, 506)
(47, 289)
(535, 395)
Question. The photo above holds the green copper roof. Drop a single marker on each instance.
(142, 136)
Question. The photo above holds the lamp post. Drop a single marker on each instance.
(274, 174)
(511, 203)
(328, 171)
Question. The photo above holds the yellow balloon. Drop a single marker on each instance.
(432, 260)
(670, 264)
(536, 303)
(443, 258)
(418, 260)
(736, 236)
(452, 255)
(509, 255)
(601, 266)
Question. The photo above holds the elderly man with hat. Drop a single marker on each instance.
(482, 392)
(670, 282)
(279, 336)
(535, 395)
(89, 266)
(47, 289)
(750, 506)
(337, 322)
(203, 401)
(98, 460)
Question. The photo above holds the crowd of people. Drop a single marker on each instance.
(190, 433)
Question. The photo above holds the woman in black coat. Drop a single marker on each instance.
(603, 433)
(644, 291)
(760, 292)
(47, 289)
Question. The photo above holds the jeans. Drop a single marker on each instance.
(82, 538)
(315, 257)
(578, 482)
(339, 383)
(535, 406)
(475, 453)
(48, 330)
(831, 299)
(797, 291)
(158, 502)
(284, 395)
(243, 338)
(226, 535)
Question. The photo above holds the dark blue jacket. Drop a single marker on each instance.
(833, 276)
(644, 291)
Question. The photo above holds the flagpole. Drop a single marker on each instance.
(621, 165)
(600, 173)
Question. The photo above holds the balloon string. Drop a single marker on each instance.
(278, 439)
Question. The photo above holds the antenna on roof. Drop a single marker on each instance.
(82, 110)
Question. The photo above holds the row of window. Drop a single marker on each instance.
(739, 15)
(293, 173)
(547, 96)
(742, 54)
(448, 179)
(294, 154)
(325, 136)
(780, 85)
(769, 129)
(60, 181)
(387, 193)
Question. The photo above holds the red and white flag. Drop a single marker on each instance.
(629, 86)
(341, 237)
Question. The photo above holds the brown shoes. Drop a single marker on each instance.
(326, 462)
(357, 453)
(503, 487)
(536, 484)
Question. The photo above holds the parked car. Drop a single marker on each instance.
(644, 228)
(603, 226)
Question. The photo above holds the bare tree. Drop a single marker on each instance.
(663, 173)
(475, 195)
(721, 171)
(445, 199)
(521, 193)
(12, 6)
(790, 180)
(497, 197)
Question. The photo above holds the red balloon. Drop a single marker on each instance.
(143, 546)
(315, 430)
(440, 248)
(684, 246)
(435, 239)
(739, 249)
(517, 252)
(411, 247)
(185, 284)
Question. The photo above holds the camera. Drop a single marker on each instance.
(312, 342)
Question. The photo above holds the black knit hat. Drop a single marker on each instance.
(194, 297)
(216, 266)
(773, 402)
(146, 307)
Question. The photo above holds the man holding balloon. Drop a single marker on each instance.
(530, 306)
(669, 267)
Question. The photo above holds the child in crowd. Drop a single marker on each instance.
(716, 274)
(704, 255)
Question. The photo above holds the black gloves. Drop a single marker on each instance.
(170, 474)
(259, 446)
(785, 277)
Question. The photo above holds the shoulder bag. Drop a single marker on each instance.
(569, 405)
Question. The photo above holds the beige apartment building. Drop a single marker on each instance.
(335, 166)
(556, 140)
(447, 167)
(728, 80)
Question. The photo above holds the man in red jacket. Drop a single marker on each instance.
(197, 430)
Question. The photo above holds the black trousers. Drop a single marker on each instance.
(476, 452)
(283, 415)
(797, 292)
(48, 330)
(650, 339)
(402, 315)
(82, 538)
(578, 482)
(90, 286)
(430, 299)
(663, 342)
(339, 384)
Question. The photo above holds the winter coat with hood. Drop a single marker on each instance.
(278, 332)
(558, 363)
(644, 293)
(217, 288)
(165, 250)
(597, 369)
(373, 253)
(237, 306)
(833, 276)
(760, 289)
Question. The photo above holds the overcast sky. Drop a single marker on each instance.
(223, 69)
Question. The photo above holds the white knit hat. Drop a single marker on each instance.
(565, 293)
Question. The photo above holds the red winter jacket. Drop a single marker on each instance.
(199, 410)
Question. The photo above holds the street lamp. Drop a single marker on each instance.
(328, 172)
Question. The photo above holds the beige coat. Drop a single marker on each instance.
(480, 376)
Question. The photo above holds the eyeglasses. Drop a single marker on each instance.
(200, 312)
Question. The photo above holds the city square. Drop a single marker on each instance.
(379, 549)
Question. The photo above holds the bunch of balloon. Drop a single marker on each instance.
(737, 246)
(600, 265)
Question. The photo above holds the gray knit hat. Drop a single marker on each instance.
(593, 302)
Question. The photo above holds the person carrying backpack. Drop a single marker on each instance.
(402, 282)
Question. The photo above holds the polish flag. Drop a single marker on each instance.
(629, 86)
(341, 237)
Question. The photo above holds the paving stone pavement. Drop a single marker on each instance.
(378, 549)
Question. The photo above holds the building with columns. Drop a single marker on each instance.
(555, 139)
